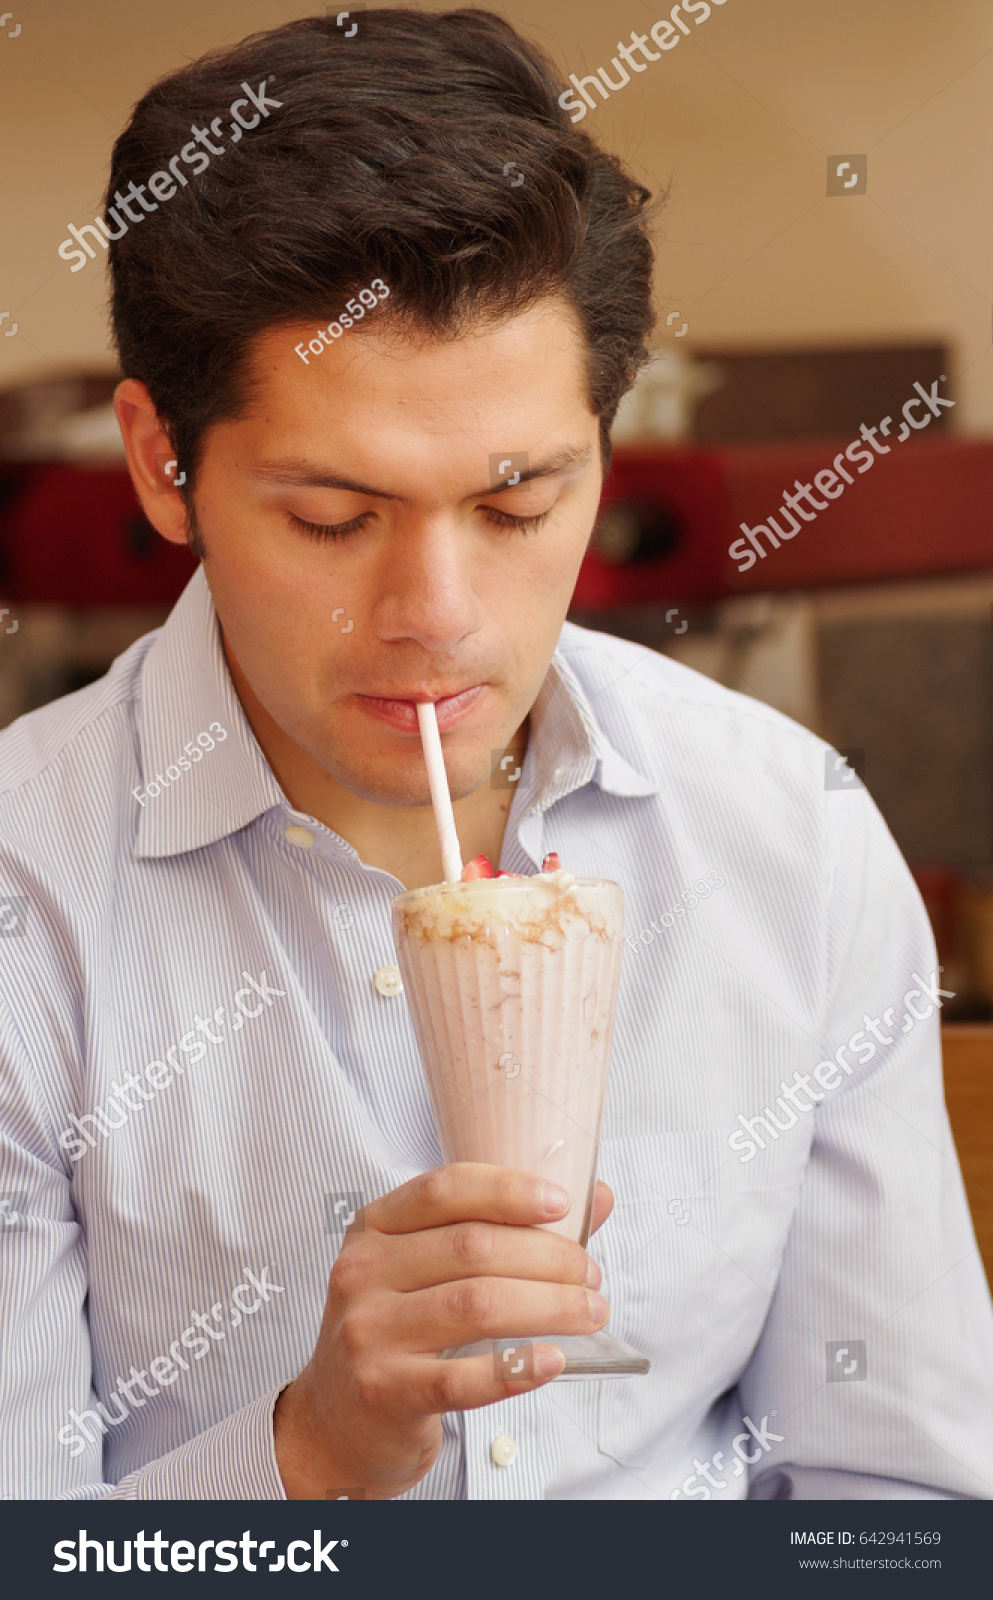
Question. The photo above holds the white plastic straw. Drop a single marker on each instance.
(441, 799)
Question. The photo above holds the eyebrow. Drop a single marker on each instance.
(297, 473)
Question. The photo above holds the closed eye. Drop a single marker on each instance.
(503, 519)
(329, 530)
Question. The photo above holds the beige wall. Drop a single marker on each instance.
(742, 116)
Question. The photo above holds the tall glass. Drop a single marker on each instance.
(512, 986)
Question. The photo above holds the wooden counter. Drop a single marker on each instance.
(967, 1051)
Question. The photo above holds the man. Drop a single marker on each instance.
(232, 810)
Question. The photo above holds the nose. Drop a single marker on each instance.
(427, 592)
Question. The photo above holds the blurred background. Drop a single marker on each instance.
(827, 248)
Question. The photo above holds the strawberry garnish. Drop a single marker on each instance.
(478, 867)
(551, 862)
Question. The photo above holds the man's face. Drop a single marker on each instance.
(435, 587)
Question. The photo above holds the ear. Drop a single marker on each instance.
(144, 440)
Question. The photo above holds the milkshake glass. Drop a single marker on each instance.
(512, 985)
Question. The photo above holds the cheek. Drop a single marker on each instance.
(265, 616)
(262, 588)
(558, 561)
(535, 602)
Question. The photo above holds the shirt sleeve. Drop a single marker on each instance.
(45, 1373)
(233, 1460)
(877, 1353)
(810, 1483)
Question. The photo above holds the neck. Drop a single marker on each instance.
(404, 840)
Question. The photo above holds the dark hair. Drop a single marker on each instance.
(385, 158)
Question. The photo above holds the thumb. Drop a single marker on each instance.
(603, 1205)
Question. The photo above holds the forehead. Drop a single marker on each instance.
(527, 359)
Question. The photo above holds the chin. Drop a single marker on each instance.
(406, 785)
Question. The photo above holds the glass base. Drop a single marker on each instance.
(587, 1355)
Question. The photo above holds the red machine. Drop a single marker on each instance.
(924, 508)
(77, 536)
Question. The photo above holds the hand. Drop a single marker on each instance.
(453, 1256)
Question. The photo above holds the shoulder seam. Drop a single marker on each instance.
(127, 696)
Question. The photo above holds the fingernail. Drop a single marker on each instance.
(553, 1200)
(594, 1277)
(549, 1363)
(599, 1309)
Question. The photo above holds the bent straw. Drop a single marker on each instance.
(441, 799)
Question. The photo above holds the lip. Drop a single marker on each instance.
(401, 714)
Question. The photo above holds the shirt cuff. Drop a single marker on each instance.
(234, 1460)
(822, 1483)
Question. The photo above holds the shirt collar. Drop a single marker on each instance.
(186, 687)
(567, 747)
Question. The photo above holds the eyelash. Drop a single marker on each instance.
(328, 532)
(503, 519)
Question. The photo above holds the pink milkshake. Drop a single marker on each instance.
(512, 984)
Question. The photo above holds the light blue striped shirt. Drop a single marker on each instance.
(194, 1057)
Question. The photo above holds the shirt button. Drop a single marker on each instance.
(389, 982)
(559, 772)
(301, 837)
(503, 1449)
